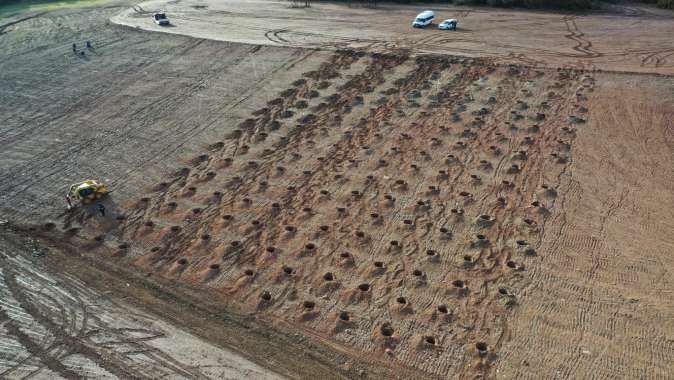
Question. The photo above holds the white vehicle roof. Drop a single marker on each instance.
(449, 20)
(425, 14)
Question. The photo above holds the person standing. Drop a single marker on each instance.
(101, 209)
(70, 203)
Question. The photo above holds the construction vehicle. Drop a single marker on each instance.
(87, 191)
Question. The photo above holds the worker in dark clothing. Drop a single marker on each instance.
(70, 203)
(75, 48)
(101, 209)
(88, 44)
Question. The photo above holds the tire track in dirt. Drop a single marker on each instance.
(656, 58)
(72, 329)
(113, 366)
(583, 45)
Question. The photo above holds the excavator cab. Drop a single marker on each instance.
(87, 191)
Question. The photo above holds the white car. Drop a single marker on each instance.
(160, 18)
(449, 24)
(423, 19)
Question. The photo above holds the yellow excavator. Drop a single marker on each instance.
(87, 191)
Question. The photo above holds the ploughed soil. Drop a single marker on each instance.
(351, 212)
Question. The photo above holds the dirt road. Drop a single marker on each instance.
(620, 38)
(373, 211)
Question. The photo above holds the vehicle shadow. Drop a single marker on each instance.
(92, 214)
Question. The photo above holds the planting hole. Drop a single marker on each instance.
(386, 330)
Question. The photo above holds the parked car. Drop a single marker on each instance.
(160, 19)
(449, 24)
(423, 19)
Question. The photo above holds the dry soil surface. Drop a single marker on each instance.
(428, 214)
(618, 38)
(53, 326)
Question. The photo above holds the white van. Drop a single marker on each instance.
(423, 19)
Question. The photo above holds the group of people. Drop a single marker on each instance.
(87, 44)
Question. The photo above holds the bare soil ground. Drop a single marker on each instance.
(618, 38)
(55, 326)
(426, 215)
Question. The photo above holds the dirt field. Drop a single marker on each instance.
(379, 210)
(619, 38)
(55, 326)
